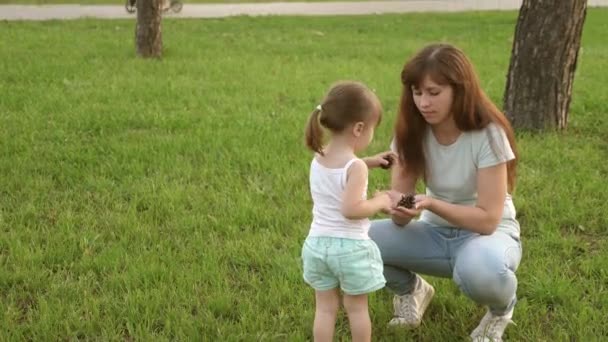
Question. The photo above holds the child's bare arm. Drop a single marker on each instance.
(384, 160)
(354, 206)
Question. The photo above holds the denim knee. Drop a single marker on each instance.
(487, 274)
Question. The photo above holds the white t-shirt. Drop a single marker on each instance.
(326, 188)
(452, 170)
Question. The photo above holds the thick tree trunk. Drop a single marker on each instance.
(543, 61)
(148, 33)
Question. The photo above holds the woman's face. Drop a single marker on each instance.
(434, 101)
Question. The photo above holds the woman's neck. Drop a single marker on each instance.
(446, 133)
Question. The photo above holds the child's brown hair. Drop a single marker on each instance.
(346, 102)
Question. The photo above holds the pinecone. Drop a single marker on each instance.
(406, 201)
(389, 159)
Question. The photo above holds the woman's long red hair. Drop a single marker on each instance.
(471, 107)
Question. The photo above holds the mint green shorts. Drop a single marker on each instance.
(353, 265)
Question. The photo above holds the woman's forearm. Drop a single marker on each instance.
(475, 219)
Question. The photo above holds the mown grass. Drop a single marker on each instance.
(115, 2)
(167, 200)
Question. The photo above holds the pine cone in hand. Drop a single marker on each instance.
(407, 201)
(389, 159)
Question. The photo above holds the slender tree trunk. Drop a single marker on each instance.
(148, 33)
(543, 61)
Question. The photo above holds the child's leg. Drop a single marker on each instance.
(358, 317)
(327, 304)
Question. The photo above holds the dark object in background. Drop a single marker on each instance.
(407, 201)
(130, 6)
(173, 5)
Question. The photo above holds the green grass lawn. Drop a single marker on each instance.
(115, 2)
(168, 200)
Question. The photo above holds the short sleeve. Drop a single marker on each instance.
(494, 147)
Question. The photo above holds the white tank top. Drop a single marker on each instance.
(326, 188)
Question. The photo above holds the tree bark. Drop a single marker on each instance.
(543, 63)
(148, 32)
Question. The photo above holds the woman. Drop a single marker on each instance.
(451, 136)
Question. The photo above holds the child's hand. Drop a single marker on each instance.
(395, 197)
(384, 160)
(385, 201)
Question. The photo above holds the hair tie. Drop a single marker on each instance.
(319, 108)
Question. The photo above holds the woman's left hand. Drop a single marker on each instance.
(381, 160)
(422, 202)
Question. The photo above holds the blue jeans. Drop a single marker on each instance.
(483, 266)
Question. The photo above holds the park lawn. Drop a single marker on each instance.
(168, 200)
(115, 2)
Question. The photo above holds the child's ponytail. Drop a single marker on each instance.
(314, 132)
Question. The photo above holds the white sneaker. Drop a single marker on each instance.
(410, 308)
(491, 327)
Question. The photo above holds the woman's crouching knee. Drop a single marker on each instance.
(485, 278)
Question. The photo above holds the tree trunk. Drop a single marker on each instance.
(148, 33)
(543, 61)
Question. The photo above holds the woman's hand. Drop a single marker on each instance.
(405, 213)
(381, 160)
(423, 202)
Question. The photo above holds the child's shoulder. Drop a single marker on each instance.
(356, 165)
(342, 163)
